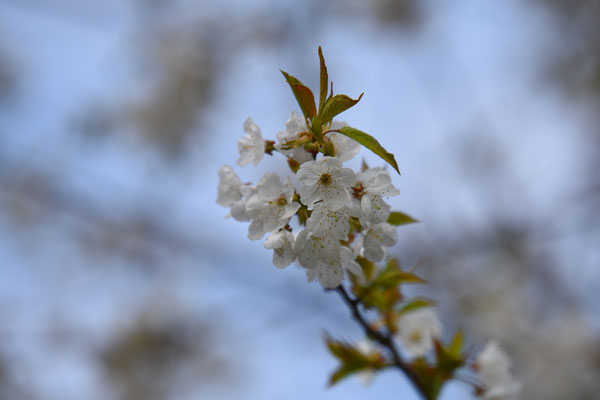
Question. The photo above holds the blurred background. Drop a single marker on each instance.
(121, 277)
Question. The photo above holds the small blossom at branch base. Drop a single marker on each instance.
(271, 207)
(493, 369)
(325, 181)
(417, 331)
(252, 145)
(282, 243)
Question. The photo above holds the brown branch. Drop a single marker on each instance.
(385, 340)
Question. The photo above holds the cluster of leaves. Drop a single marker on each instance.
(331, 105)
(379, 292)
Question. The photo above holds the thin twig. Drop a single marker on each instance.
(385, 340)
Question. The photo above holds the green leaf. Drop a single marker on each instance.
(352, 360)
(391, 279)
(304, 96)
(447, 362)
(392, 276)
(324, 81)
(370, 143)
(317, 128)
(368, 267)
(399, 218)
(456, 346)
(415, 304)
(337, 105)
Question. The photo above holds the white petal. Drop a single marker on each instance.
(301, 155)
(282, 243)
(334, 196)
(252, 146)
(345, 148)
(376, 210)
(271, 222)
(251, 128)
(269, 187)
(309, 173)
(255, 206)
(289, 210)
(331, 277)
(346, 177)
(288, 189)
(330, 163)
(326, 222)
(275, 241)
(238, 211)
(229, 186)
(309, 195)
(256, 230)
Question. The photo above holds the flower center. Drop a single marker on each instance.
(281, 201)
(416, 336)
(325, 179)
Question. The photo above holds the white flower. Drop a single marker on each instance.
(418, 329)
(375, 212)
(294, 126)
(375, 183)
(233, 193)
(493, 368)
(325, 180)
(282, 243)
(313, 250)
(229, 186)
(252, 145)
(325, 222)
(271, 206)
(345, 148)
(376, 239)
(325, 258)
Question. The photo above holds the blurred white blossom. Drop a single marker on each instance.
(417, 331)
(493, 368)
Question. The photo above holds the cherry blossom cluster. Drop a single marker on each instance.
(341, 216)
(335, 223)
(341, 213)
